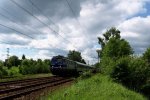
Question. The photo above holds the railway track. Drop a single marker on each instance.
(15, 89)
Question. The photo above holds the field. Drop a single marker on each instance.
(98, 87)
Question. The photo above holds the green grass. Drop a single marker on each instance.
(25, 77)
(98, 87)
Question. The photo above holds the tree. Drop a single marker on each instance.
(23, 57)
(13, 61)
(1, 64)
(117, 48)
(76, 56)
(83, 61)
(112, 45)
(111, 33)
(146, 55)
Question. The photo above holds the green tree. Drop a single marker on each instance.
(76, 56)
(146, 55)
(13, 61)
(1, 64)
(117, 48)
(111, 33)
(23, 57)
(47, 62)
(112, 45)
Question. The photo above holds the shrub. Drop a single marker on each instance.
(107, 64)
(121, 70)
(132, 72)
(146, 89)
(34, 67)
(1, 74)
(14, 71)
(3, 71)
(86, 75)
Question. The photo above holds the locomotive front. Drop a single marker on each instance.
(57, 65)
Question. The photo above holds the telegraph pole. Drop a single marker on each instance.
(7, 53)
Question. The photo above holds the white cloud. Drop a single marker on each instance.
(94, 16)
(136, 31)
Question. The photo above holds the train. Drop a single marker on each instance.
(63, 66)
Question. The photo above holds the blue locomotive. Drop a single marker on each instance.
(62, 66)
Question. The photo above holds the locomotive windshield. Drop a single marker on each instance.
(55, 61)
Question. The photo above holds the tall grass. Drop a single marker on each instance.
(98, 87)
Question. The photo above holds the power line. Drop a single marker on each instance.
(33, 15)
(16, 22)
(16, 31)
(38, 19)
(71, 9)
(49, 20)
(33, 4)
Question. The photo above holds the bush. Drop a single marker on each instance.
(107, 64)
(86, 75)
(14, 71)
(132, 72)
(3, 71)
(146, 89)
(121, 70)
(1, 74)
(34, 67)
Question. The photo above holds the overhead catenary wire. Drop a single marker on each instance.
(33, 16)
(33, 4)
(71, 9)
(38, 20)
(16, 31)
(16, 22)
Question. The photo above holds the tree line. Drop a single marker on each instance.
(13, 66)
(117, 60)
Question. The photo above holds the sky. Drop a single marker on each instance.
(46, 28)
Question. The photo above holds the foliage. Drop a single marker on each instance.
(111, 33)
(3, 71)
(98, 87)
(76, 56)
(106, 65)
(34, 67)
(13, 61)
(116, 48)
(132, 72)
(23, 57)
(146, 55)
(85, 75)
(112, 45)
(14, 71)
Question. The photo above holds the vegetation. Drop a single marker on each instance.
(17, 67)
(118, 62)
(76, 56)
(98, 87)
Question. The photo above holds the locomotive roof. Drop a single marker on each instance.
(62, 57)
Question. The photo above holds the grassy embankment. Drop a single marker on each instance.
(25, 77)
(98, 87)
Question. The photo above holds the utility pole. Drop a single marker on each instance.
(7, 53)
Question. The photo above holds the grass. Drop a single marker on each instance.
(25, 77)
(98, 87)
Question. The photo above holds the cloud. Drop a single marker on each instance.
(56, 29)
(136, 31)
